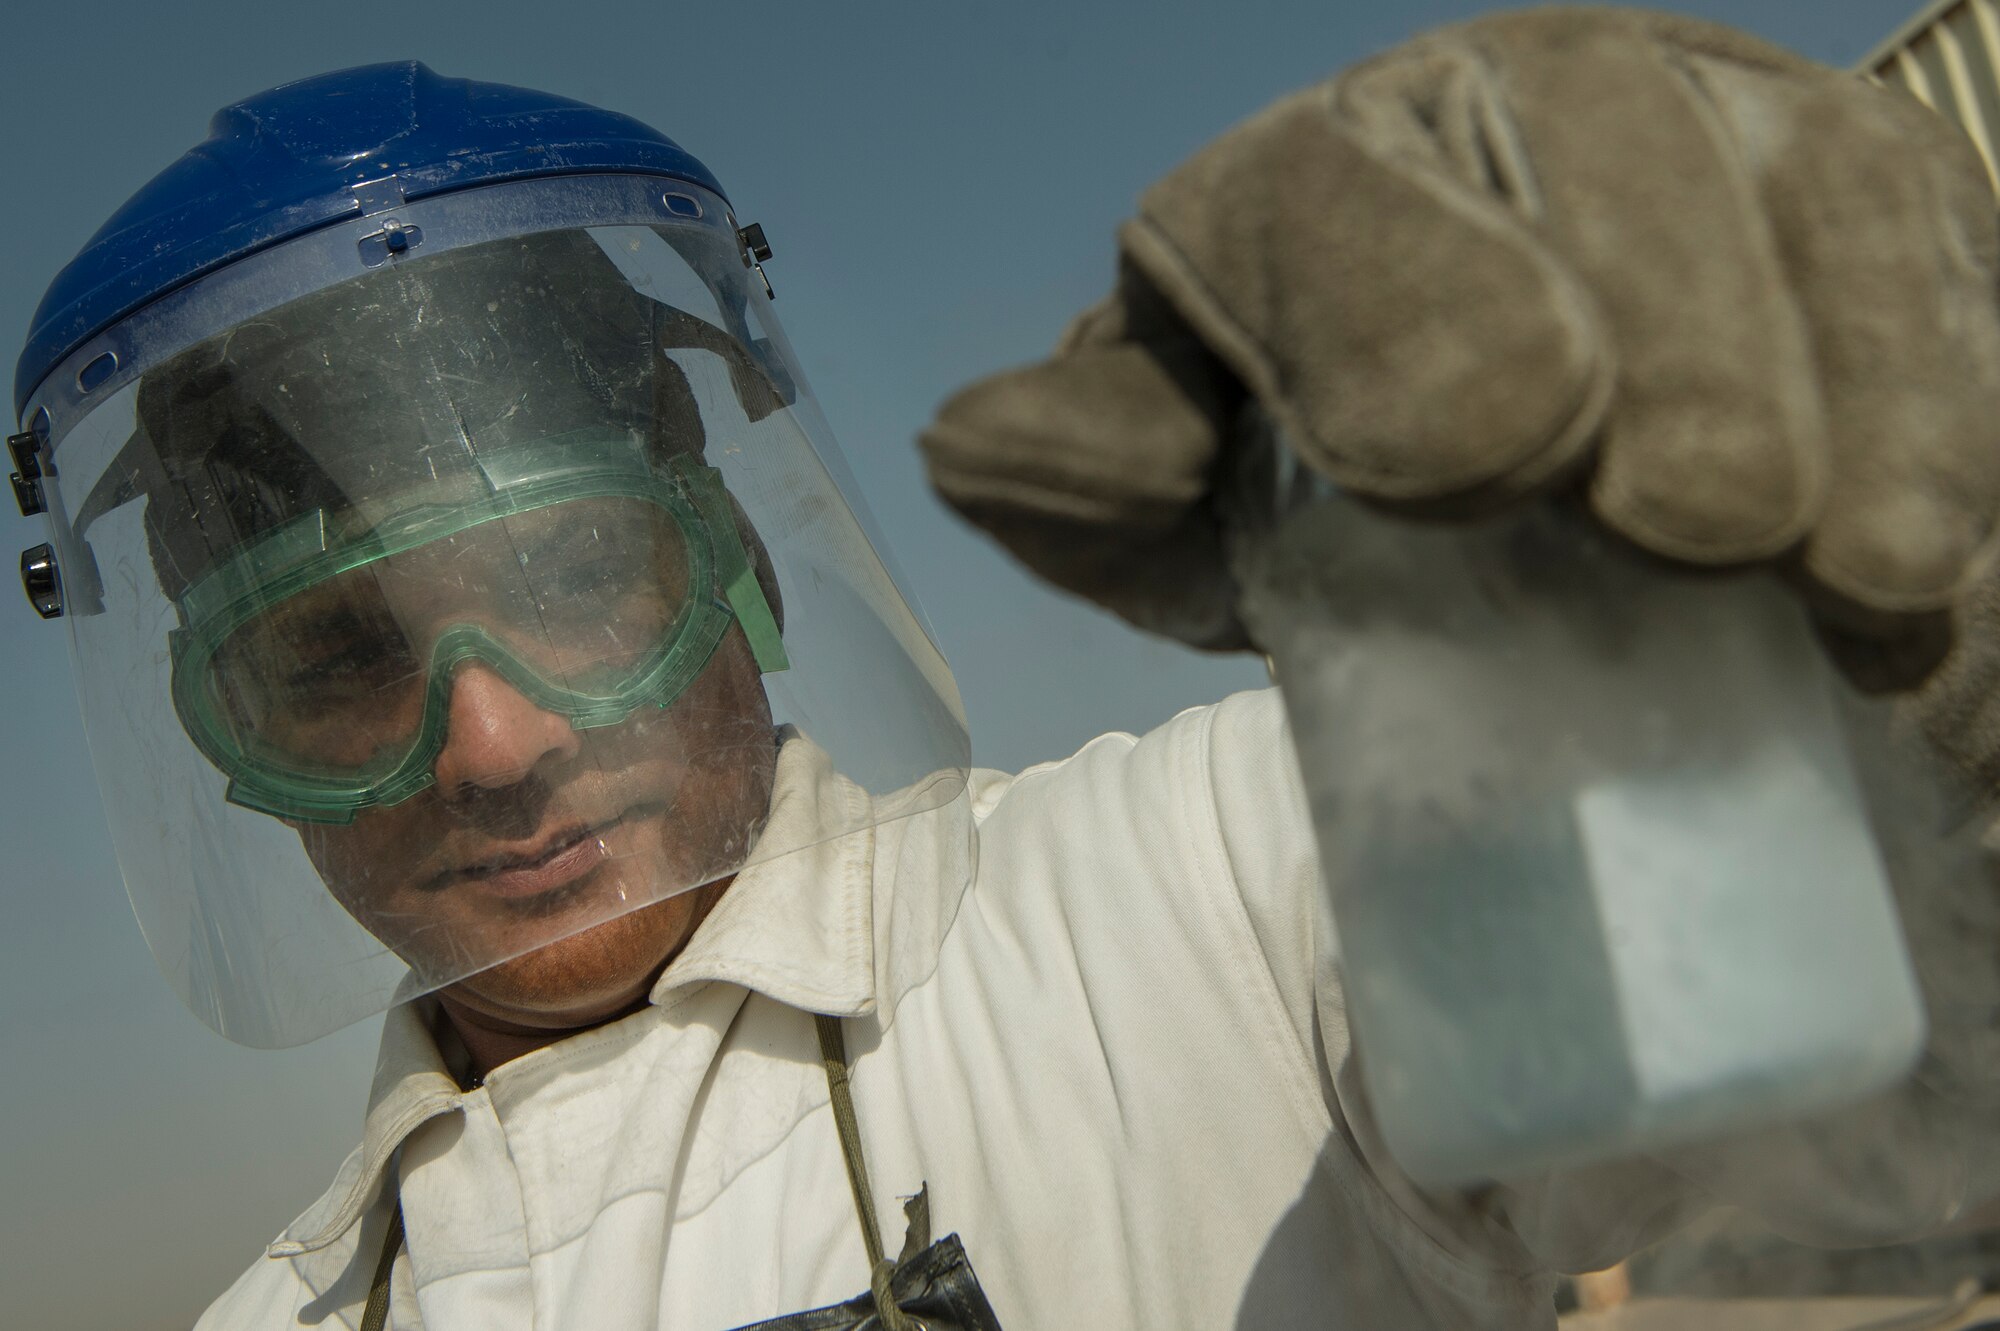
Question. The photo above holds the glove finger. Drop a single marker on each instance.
(1892, 241)
(1713, 449)
(1094, 467)
(1957, 710)
(1406, 331)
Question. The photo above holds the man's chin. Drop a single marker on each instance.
(590, 977)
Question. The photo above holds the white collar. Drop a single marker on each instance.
(795, 926)
(812, 928)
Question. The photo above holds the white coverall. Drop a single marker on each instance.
(1120, 1064)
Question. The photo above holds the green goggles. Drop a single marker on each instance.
(314, 668)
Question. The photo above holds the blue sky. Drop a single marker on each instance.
(940, 182)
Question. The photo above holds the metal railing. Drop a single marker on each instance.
(1947, 55)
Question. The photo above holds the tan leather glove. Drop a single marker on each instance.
(1747, 302)
(1935, 782)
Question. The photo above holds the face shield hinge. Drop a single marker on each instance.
(27, 478)
(753, 240)
(754, 249)
(41, 580)
(394, 240)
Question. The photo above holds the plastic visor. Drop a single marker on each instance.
(429, 608)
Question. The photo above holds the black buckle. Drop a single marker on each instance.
(753, 249)
(753, 240)
(27, 478)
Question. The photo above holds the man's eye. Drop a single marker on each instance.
(358, 667)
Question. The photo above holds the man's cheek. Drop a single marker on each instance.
(356, 861)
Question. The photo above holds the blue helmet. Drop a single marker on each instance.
(309, 153)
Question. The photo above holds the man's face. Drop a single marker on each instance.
(551, 860)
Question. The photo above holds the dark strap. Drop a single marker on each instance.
(833, 1054)
(376, 1315)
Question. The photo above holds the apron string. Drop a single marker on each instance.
(833, 1054)
(376, 1315)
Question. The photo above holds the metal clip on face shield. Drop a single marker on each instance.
(306, 553)
(39, 577)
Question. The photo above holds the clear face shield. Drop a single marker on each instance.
(443, 588)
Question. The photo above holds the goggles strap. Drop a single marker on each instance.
(733, 569)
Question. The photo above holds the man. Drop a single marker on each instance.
(472, 523)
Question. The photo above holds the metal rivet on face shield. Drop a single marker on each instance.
(41, 580)
(393, 241)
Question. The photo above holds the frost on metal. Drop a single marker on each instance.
(1948, 56)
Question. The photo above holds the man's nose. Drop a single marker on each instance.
(494, 735)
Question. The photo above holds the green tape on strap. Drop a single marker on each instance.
(733, 570)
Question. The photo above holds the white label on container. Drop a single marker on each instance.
(1747, 920)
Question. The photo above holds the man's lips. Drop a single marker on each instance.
(556, 862)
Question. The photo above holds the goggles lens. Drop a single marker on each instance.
(318, 672)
